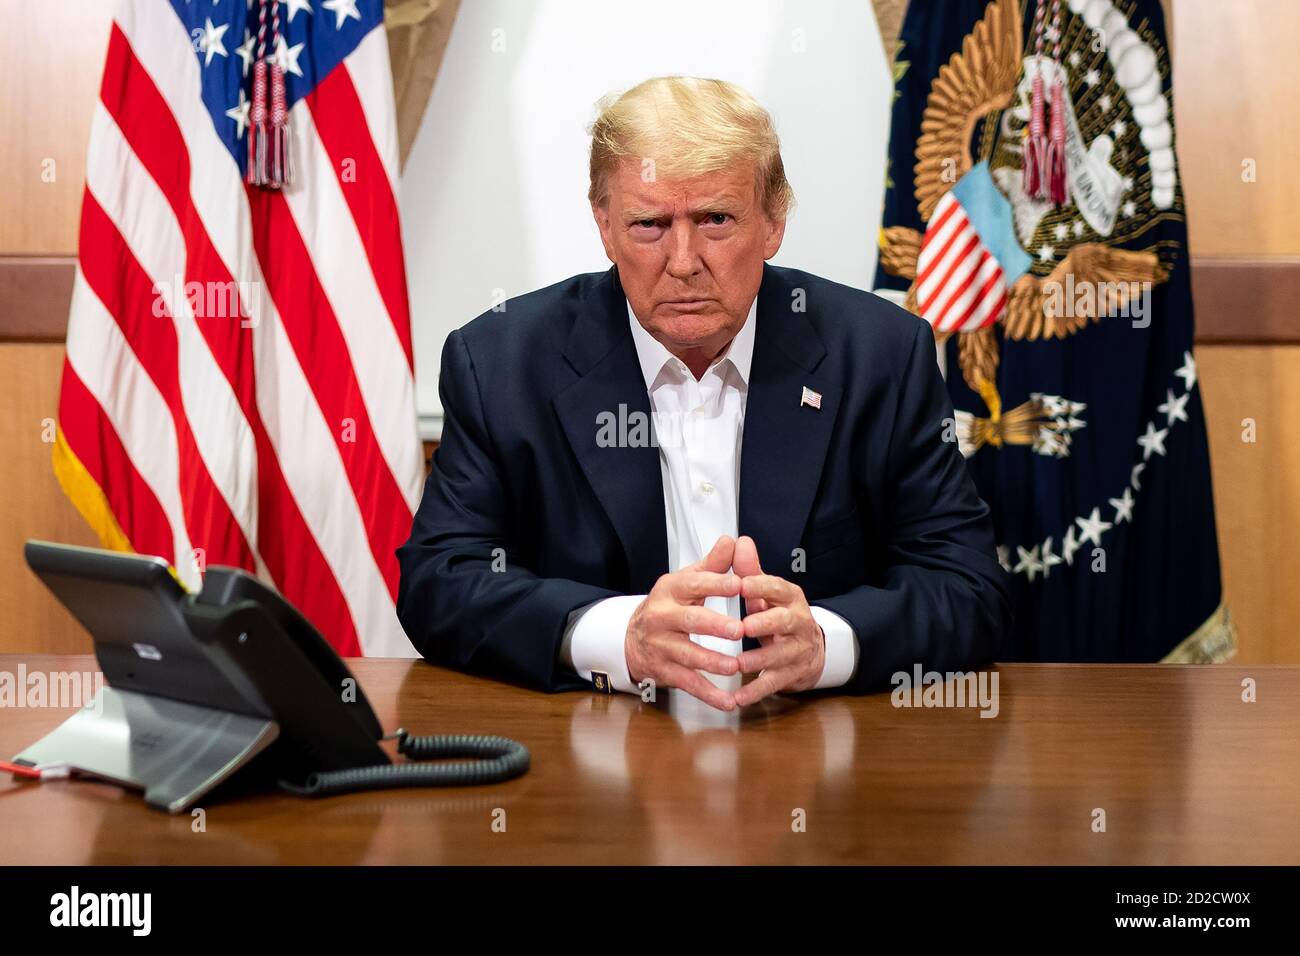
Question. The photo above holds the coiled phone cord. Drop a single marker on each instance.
(498, 759)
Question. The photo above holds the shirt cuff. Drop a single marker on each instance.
(594, 637)
(841, 649)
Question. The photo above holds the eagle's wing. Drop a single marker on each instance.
(899, 249)
(1037, 308)
(976, 81)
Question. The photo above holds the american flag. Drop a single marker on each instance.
(960, 285)
(238, 387)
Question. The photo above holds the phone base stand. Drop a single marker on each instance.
(175, 752)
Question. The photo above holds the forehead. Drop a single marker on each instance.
(634, 185)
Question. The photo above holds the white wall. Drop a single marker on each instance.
(494, 193)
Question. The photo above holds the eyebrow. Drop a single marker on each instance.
(725, 202)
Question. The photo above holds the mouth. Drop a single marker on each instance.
(688, 305)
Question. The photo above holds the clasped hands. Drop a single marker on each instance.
(658, 645)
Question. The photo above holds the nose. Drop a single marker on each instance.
(683, 249)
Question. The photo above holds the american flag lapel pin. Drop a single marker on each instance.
(810, 398)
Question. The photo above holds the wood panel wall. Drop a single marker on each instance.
(32, 506)
(1236, 81)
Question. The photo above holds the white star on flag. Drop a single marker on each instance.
(1123, 506)
(286, 57)
(296, 5)
(1153, 442)
(1188, 372)
(342, 9)
(1092, 527)
(211, 42)
(1069, 545)
(1175, 409)
(239, 114)
(1050, 560)
(1029, 562)
(245, 51)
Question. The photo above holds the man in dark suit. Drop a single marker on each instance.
(627, 456)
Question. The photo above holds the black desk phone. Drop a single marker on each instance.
(202, 685)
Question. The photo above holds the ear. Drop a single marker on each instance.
(772, 240)
(600, 212)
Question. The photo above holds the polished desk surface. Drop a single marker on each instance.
(1186, 772)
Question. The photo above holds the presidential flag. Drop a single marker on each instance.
(238, 387)
(1034, 216)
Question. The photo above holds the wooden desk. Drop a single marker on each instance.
(1186, 772)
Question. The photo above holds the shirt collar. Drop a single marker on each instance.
(653, 355)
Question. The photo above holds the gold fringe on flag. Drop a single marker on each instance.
(90, 501)
(1214, 642)
(86, 496)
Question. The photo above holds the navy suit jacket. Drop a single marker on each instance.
(526, 516)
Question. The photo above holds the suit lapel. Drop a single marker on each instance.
(610, 399)
(785, 442)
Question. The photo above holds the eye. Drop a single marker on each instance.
(717, 219)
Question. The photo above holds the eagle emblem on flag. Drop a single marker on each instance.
(1034, 218)
(1049, 245)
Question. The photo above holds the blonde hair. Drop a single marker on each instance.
(689, 126)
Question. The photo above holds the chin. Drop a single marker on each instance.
(691, 328)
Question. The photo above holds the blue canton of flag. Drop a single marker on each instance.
(314, 39)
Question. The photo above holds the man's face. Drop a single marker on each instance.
(689, 253)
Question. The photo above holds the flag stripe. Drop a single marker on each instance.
(284, 540)
(303, 440)
(989, 302)
(117, 278)
(95, 442)
(954, 269)
(356, 166)
(375, 353)
(312, 328)
(270, 419)
(947, 217)
(108, 369)
(965, 290)
(953, 236)
(960, 283)
(140, 131)
(371, 72)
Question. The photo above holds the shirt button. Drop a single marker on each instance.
(706, 487)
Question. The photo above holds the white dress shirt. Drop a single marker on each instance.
(699, 426)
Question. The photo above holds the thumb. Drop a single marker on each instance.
(745, 560)
(719, 558)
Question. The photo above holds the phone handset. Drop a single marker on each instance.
(330, 743)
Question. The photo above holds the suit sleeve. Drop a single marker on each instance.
(465, 600)
(943, 600)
